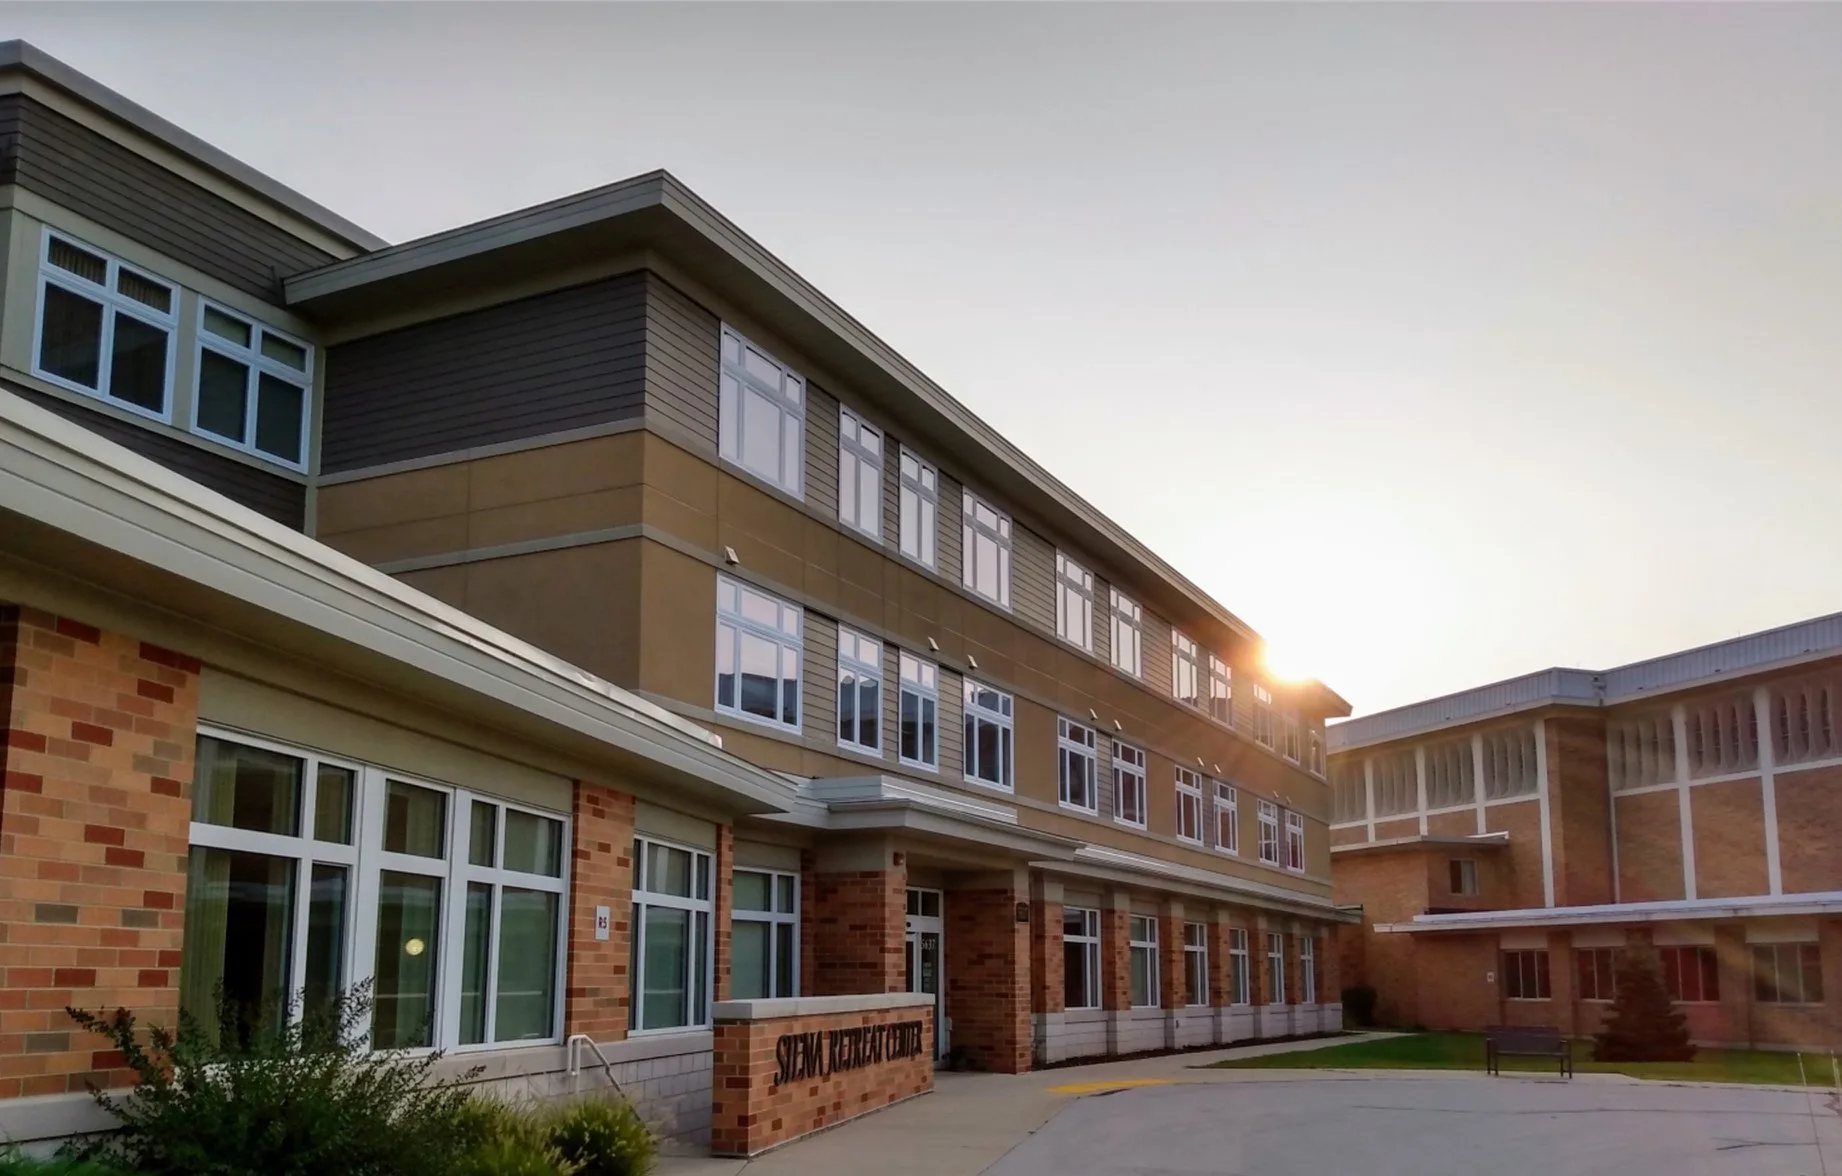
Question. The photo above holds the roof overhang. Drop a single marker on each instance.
(1105, 864)
(82, 509)
(1674, 911)
(951, 821)
(1499, 840)
(656, 214)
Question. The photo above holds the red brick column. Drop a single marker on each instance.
(1330, 968)
(1115, 966)
(860, 921)
(595, 1000)
(1563, 1005)
(1170, 959)
(724, 865)
(1046, 972)
(97, 734)
(1219, 973)
(1294, 974)
(1256, 962)
(808, 922)
(988, 978)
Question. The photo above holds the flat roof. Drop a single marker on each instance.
(1669, 911)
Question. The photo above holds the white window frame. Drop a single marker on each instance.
(1196, 964)
(1289, 742)
(1185, 669)
(1074, 603)
(860, 464)
(787, 637)
(1263, 716)
(500, 879)
(1269, 832)
(1227, 804)
(1463, 871)
(999, 532)
(259, 365)
(1146, 942)
(1314, 751)
(920, 488)
(1307, 970)
(1127, 646)
(1128, 780)
(774, 918)
(1076, 754)
(1088, 944)
(1188, 809)
(1240, 972)
(703, 865)
(1295, 842)
(1276, 968)
(1538, 963)
(1221, 691)
(113, 303)
(786, 396)
(923, 685)
(1003, 716)
(861, 658)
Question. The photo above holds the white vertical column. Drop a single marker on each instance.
(1678, 716)
(1368, 792)
(1477, 778)
(1419, 774)
(1547, 829)
(1768, 791)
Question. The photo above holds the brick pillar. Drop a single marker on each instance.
(860, 920)
(1219, 985)
(724, 865)
(988, 974)
(1170, 956)
(1115, 964)
(1563, 1004)
(808, 922)
(1256, 961)
(1330, 967)
(1046, 972)
(97, 735)
(595, 1001)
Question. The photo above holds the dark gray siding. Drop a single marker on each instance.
(821, 476)
(1032, 578)
(562, 360)
(892, 494)
(1156, 655)
(681, 362)
(282, 499)
(952, 725)
(818, 718)
(1103, 620)
(88, 173)
(952, 522)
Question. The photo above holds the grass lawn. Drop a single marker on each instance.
(1465, 1051)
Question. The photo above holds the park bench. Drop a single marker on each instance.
(1518, 1041)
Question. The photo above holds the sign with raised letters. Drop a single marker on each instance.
(825, 1052)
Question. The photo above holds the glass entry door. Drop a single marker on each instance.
(925, 958)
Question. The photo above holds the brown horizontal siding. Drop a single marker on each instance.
(820, 479)
(682, 340)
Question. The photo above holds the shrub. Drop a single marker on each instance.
(268, 1094)
(1643, 1024)
(1359, 1003)
(503, 1140)
(18, 1163)
(602, 1137)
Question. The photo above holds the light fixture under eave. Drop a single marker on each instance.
(1117, 726)
(972, 661)
(1093, 714)
(933, 645)
(1218, 769)
(1199, 761)
(730, 556)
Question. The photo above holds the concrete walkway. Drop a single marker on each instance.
(972, 1120)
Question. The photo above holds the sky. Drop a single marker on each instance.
(1440, 343)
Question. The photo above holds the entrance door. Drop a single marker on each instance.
(925, 957)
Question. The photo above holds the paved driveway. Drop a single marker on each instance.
(1429, 1126)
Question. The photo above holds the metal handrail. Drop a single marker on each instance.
(573, 1057)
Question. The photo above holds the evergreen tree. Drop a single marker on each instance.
(1643, 1024)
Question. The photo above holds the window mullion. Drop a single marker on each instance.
(494, 904)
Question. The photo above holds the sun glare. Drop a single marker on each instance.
(1286, 666)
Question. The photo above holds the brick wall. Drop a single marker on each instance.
(724, 863)
(595, 1000)
(859, 929)
(1295, 973)
(1452, 992)
(97, 731)
(1115, 964)
(988, 978)
(1219, 972)
(750, 1113)
(1729, 830)
(1170, 961)
(1578, 811)
(1522, 872)
(1047, 994)
(1809, 829)
(1649, 847)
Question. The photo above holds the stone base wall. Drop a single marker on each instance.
(667, 1079)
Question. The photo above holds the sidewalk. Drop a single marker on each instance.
(971, 1120)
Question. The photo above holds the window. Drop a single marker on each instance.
(1263, 716)
(1787, 973)
(860, 691)
(988, 735)
(860, 474)
(1239, 977)
(1723, 737)
(1510, 766)
(1308, 970)
(104, 328)
(761, 414)
(1596, 972)
(1080, 958)
(920, 511)
(1128, 784)
(1314, 751)
(763, 935)
(1275, 968)
(1804, 721)
(1451, 776)
(1195, 964)
(1076, 767)
(1189, 806)
(1463, 877)
(1349, 792)
(1127, 640)
(987, 551)
(1288, 736)
(1295, 842)
(1691, 974)
(1641, 752)
(1221, 691)
(670, 965)
(1074, 603)
(1142, 946)
(1269, 832)
(253, 386)
(1227, 818)
(920, 713)
(1185, 672)
(1397, 785)
(757, 655)
(1525, 975)
(307, 876)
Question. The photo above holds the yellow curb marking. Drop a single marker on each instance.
(1120, 1084)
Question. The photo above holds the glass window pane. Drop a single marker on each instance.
(760, 676)
(246, 788)
(533, 844)
(760, 435)
(332, 805)
(669, 871)
(1074, 976)
(415, 820)
(223, 396)
(70, 339)
(526, 1007)
(785, 953)
(283, 352)
(81, 262)
(783, 888)
(665, 971)
(226, 326)
(137, 367)
(278, 417)
(239, 928)
(145, 291)
(408, 948)
(325, 938)
(749, 891)
(483, 834)
(749, 976)
(474, 950)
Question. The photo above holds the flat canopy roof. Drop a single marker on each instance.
(1671, 911)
